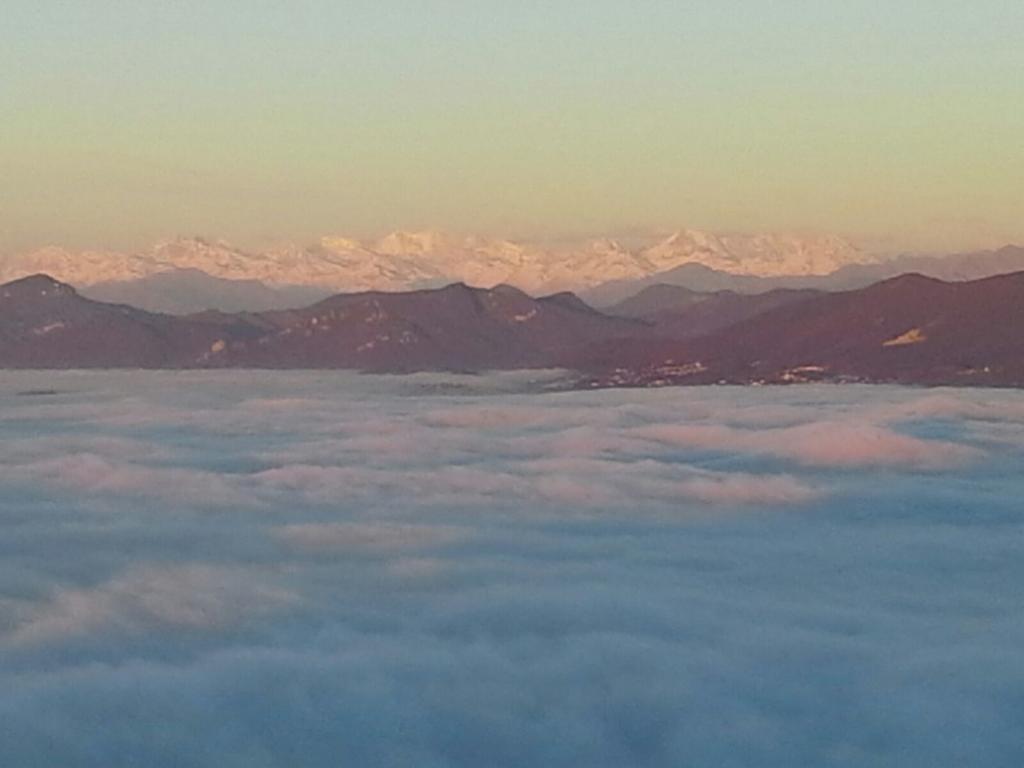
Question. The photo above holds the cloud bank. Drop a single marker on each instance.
(319, 569)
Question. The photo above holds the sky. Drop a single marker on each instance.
(895, 124)
(323, 568)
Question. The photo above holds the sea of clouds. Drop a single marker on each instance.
(323, 569)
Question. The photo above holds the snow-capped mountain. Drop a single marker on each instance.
(74, 267)
(404, 260)
(766, 255)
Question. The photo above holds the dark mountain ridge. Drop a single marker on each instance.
(908, 329)
(47, 324)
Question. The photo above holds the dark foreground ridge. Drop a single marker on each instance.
(910, 329)
(47, 324)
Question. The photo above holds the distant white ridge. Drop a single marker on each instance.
(405, 260)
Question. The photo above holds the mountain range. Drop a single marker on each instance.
(188, 275)
(406, 261)
(47, 324)
(699, 277)
(910, 329)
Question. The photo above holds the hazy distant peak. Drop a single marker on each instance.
(764, 255)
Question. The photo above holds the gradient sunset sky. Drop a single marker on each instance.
(899, 124)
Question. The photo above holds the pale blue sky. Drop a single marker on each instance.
(898, 123)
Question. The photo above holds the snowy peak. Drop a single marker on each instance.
(770, 255)
(75, 267)
(341, 244)
(415, 243)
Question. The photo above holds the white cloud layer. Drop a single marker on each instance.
(190, 597)
(278, 569)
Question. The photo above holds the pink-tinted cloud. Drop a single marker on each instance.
(823, 444)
